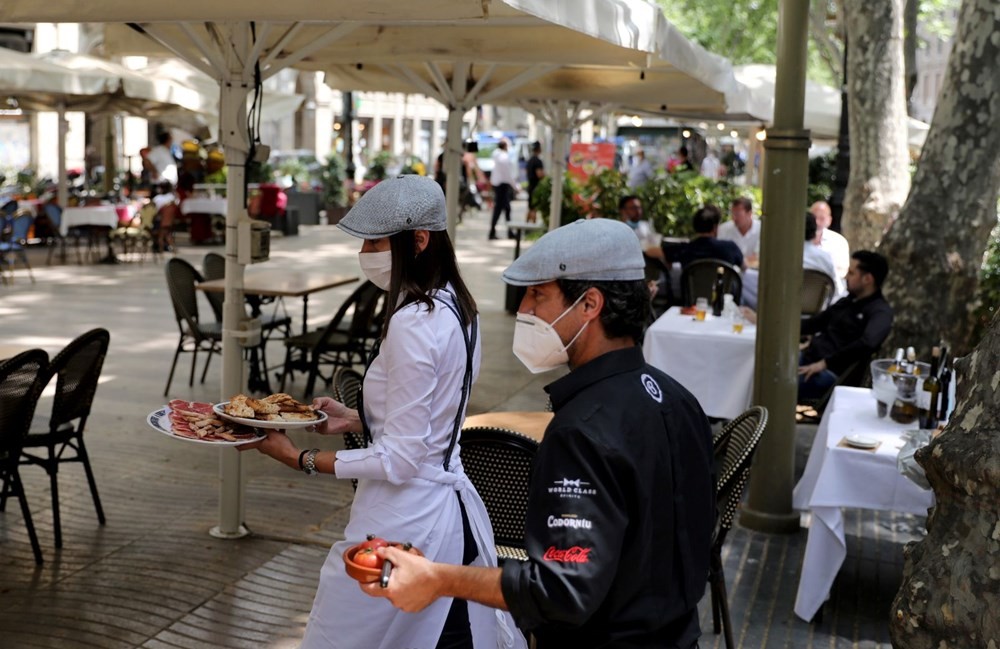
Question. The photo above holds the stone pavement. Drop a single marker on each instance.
(153, 577)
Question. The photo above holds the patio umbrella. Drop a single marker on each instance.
(230, 41)
(822, 107)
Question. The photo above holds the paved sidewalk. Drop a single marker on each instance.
(153, 577)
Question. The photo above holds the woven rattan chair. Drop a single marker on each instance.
(817, 289)
(346, 389)
(77, 369)
(195, 335)
(345, 341)
(698, 277)
(734, 450)
(22, 379)
(498, 462)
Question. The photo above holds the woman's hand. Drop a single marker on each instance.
(275, 444)
(340, 418)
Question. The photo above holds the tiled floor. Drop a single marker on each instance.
(153, 577)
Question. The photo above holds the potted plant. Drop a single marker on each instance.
(333, 176)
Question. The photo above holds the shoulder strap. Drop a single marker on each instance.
(467, 380)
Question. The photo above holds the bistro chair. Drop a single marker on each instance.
(657, 271)
(345, 341)
(213, 266)
(77, 369)
(734, 449)
(15, 244)
(22, 379)
(195, 335)
(56, 239)
(498, 462)
(346, 389)
(698, 277)
(817, 289)
(137, 236)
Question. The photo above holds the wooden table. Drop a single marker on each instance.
(529, 423)
(283, 283)
(277, 283)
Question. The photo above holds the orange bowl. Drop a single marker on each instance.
(364, 574)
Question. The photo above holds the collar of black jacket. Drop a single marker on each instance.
(605, 365)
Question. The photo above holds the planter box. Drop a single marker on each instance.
(334, 213)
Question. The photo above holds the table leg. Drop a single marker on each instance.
(257, 381)
(305, 314)
(517, 243)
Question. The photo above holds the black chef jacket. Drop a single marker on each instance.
(850, 330)
(620, 513)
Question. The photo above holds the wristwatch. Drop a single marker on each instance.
(309, 464)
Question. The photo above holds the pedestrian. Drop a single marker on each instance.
(411, 485)
(622, 499)
(502, 178)
(535, 171)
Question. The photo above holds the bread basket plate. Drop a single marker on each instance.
(219, 409)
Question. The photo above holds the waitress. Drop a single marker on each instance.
(411, 485)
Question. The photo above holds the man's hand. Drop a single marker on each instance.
(811, 369)
(412, 583)
(748, 314)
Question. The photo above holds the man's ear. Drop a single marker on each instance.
(593, 303)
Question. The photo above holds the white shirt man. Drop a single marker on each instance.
(710, 166)
(503, 171)
(163, 161)
(743, 230)
(830, 241)
(641, 171)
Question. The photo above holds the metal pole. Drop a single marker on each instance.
(63, 191)
(776, 372)
(348, 130)
(234, 139)
(562, 131)
(453, 166)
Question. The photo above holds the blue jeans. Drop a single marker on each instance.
(817, 385)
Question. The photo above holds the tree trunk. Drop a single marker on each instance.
(936, 247)
(880, 175)
(951, 579)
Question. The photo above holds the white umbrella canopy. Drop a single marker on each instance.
(228, 39)
(822, 107)
(32, 82)
(274, 105)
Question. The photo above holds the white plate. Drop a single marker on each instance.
(160, 420)
(860, 441)
(219, 409)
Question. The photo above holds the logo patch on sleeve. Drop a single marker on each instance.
(652, 387)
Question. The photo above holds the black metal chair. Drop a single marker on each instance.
(346, 389)
(77, 369)
(195, 335)
(345, 341)
(22, 379)
(817, 289)
(213, 266)
(698, 277)
(734, 449)
(657, 271)
(498, 462)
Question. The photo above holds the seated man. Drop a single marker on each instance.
(704, 244)
(743, 230)
(851, 330)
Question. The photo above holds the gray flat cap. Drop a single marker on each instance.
(396, 204)
(594, 249)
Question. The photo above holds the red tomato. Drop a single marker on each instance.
(374, 542)
(367, 558)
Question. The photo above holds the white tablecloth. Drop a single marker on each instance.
(204, 206)
(838, 477)
(707, 358)
(73, 217)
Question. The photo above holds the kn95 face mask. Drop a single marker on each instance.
(538, 345)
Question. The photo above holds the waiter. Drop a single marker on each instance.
(622, 504)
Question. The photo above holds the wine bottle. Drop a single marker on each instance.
(929, 398)
(944, 388)
(718, 290)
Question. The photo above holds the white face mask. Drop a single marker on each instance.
(536, 343)
(377, 267)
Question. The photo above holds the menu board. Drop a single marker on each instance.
(585, 160)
